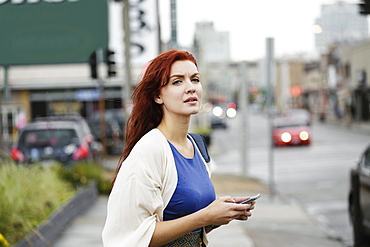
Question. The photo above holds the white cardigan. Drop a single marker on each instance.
(143, 188)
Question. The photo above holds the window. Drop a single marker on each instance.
(10, 117)
(366, 158)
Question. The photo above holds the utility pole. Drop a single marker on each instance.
(1, 120)
(3, 99)
(173, 10)
(243, 129)
(127, 40)
(103, 125)
(269, 73)
(159, 33)
(99, 56)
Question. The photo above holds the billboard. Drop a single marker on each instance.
(51, 31)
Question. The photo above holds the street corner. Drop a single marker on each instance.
(237, 185)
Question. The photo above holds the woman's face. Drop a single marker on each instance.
(183, 92)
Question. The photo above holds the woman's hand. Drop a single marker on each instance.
(225, 209)
(251, 206)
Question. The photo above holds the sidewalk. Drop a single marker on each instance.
(274, 222)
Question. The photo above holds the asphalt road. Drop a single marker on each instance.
(317, 176)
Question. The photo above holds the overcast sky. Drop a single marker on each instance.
(249, 23)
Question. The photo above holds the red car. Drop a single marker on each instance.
(290, 131)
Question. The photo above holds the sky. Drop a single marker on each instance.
(249, 23)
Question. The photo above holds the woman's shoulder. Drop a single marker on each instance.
(153, 136)
(152, 149)
(152, 142)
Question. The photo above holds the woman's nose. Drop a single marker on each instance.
(191, 87)
(191, 90)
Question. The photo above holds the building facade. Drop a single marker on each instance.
(52, 90)
(339, 23)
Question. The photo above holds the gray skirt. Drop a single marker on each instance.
(191, 239)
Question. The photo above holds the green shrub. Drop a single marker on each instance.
(29, 194)
(83, 173)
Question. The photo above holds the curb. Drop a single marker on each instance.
(46, 234)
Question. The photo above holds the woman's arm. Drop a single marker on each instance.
(219, 212)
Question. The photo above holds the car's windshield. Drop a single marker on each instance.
(290, 125)
(43, 138)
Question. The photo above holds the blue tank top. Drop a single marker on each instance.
(194, 189)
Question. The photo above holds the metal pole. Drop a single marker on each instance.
(101, 82)
(2, 145)
(126, 26)
(5, 97)
(269, 72)
(5, 86)
(159, 33)
(173, 43)
(102, 123)
(244, 120)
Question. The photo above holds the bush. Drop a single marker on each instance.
(84, 173)
(29, 195)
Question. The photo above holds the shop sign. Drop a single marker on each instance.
(51, 31)
(87, 95)
(61, 108)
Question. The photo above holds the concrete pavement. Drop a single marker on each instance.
(275, 222)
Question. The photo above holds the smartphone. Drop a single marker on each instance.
(251, 199)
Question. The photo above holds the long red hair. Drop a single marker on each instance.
(146, 113)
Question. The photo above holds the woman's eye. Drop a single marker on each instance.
(196, 80)
(175, 82)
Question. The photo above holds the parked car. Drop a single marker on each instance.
(115, 120)
(359, 199)
(96, 148)
(85, 128)
(58, 140)
(289, 131)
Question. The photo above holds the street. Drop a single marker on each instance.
(316, 176)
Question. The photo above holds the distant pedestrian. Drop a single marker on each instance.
(162, 193)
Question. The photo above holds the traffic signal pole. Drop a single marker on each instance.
(3, 99)
(127, 34)
(269, 73)
(103, 135)
(243, 95)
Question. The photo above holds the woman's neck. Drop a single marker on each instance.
(176, 130)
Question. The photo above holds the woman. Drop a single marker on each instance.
(162, 193)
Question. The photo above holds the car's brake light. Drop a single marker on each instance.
(81, 152)
(17, 154)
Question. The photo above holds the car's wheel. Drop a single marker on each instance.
(356, 216)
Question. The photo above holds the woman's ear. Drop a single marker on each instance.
(158, 100)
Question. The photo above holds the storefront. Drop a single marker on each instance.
(25, 105)
(78, 101)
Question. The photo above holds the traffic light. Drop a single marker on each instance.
(93, 65)
(111, 64)
(364, 7)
